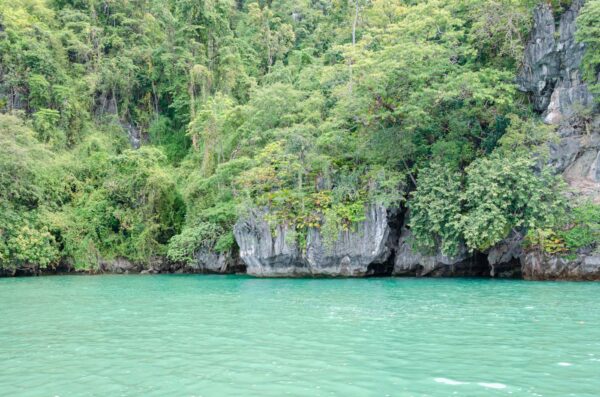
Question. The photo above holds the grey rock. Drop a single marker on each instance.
(119, 265)
(274, 252)
(594, 168)
(267, 253)
(209, 261)
(7, 272)
(578, 158)
(541, 62)
(353, 250)
(504, 257)
(410, 262)
(551, 74)
(537, 266)
(570, 92)
(551, 65)
(565, 152)
(591, 265)
(134, 134)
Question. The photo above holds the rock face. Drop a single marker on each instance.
(537, 266)
(353, 251)
(551, 66)
(541, 62)
(580, 157)
(208, 261)
(551, 74)
(409, 262)
(267, 252)
(118, 265)
(504, 258)
(275, 253)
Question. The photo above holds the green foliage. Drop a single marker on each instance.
(435, 209)
(579, 229)
(498, 194)
(526, 136)
(184, 246)
(313, 109)
(29, 183)
(21, 163)
(133, 211)
(505, 193)
(586, 227)
(588, 32)
(32, 247)
(45, 122)
(500, 29)
(547, 240)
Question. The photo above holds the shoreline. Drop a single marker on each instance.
(304, 277)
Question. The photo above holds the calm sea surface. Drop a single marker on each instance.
(235, 336)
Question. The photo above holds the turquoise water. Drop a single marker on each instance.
(235, 336)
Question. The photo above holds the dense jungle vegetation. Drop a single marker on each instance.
(145, 128)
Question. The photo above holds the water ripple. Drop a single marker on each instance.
(231, 336)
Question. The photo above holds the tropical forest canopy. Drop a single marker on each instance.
(144, 128)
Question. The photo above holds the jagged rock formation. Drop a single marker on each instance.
(267, 252)
(537, 266)
(551, 66)
(541, 64)
(354, 251)
(409, 262)
(275, 252)
(208, 261)
(118, 265)
(578, 154)
(551, 74)
(504, 258)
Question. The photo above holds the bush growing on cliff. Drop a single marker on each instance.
(132, 213)
(588, 32)
(584, 230)
(505, 193)
(310, 108)
(185, 245)
(578, 230)
(31, 184)
(497, 194)
(435, 209)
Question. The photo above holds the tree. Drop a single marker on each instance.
(500, 194)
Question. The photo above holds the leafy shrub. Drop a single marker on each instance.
(185, 245)
(585, 229)
(32, 247)
(588, 32)
(500, 193)
(435, 209)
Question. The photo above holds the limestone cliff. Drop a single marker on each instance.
(551, 66)
(410, 262)
(551, 74)
(275, 252)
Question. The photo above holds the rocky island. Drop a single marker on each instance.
(340, 153)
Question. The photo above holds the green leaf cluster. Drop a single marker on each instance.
(480, 207)
(588, 33)
(314, 109)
